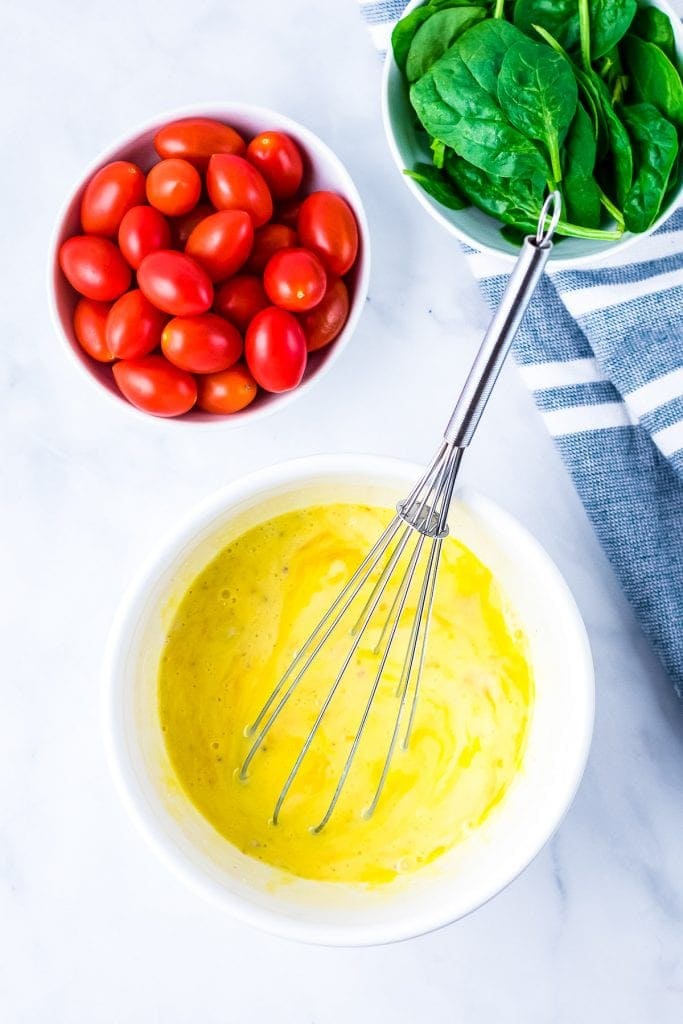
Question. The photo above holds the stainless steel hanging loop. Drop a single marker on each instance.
(552, 203)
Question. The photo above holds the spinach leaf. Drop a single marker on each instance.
(513, 202)
(404, 31)
(585, 87)
(558, 17)
(483, 48)
(456, 103)
(609, 22)
(456, 86)
(617, 168)
(674, 179)
(465, 113)
(538, 93)
(613, 74)
(436, 186)
(653, 79)
(438, 153)
(614, 147)
(497, 148)
(605, 22)
(436, 35)
(656, 147)
(654, 26)
(437, 117)
(580, 191)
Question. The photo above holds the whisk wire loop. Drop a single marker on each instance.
(375, 686)
(398, 551)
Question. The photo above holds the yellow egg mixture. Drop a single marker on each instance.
(234, 634)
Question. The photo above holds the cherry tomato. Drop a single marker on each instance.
(233, 184)
(143, 230)
(134, 326)
(278, 159)
(155, 385)
(326, 225)
(175, 283)
(275, 349)
(295, 279)
(322, 324)
(185, 225)
(240, 299)
(90, 323)
(288, 212)
(196, 139)
(221, 243)
(267, 241)
(228, 391)
(109, 194)
(174, 187)
(201, 344)
(94, 267)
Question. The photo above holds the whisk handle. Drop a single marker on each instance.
(502, 329)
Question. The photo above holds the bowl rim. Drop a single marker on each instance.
(239, 907)
(219, 110)
(558, 263)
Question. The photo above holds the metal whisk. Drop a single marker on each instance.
(422, 518)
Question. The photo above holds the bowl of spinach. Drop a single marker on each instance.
(487, 104)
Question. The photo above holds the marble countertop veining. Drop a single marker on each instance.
(92, 928)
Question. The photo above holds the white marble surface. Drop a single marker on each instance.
(92, 928)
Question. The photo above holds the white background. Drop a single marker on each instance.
(92, 928)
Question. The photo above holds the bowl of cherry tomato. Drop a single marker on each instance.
(210, 266)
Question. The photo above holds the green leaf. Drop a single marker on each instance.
(580, 191)
(456, 103)
(497, 148)
(674, 180)
(653, 79)
(538, 94)
(512, 202)
(613, 74)
(654, 26)
(558, 17)
(609, 22)
(438, 153)
(483, 48)
(457, 86)
(617, 165)
(436, 186)
(656, 147)
(436, 35)
(404, 31)
(437, 117)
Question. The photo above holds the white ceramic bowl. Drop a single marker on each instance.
(323, 170)
(331, 913)
(472, 226)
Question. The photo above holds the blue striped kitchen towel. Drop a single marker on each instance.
(602, 352)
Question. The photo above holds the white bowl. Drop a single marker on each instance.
(323, 170)
(471, 226)
(323, 912)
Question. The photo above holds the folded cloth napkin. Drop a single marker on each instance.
(602, 351)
